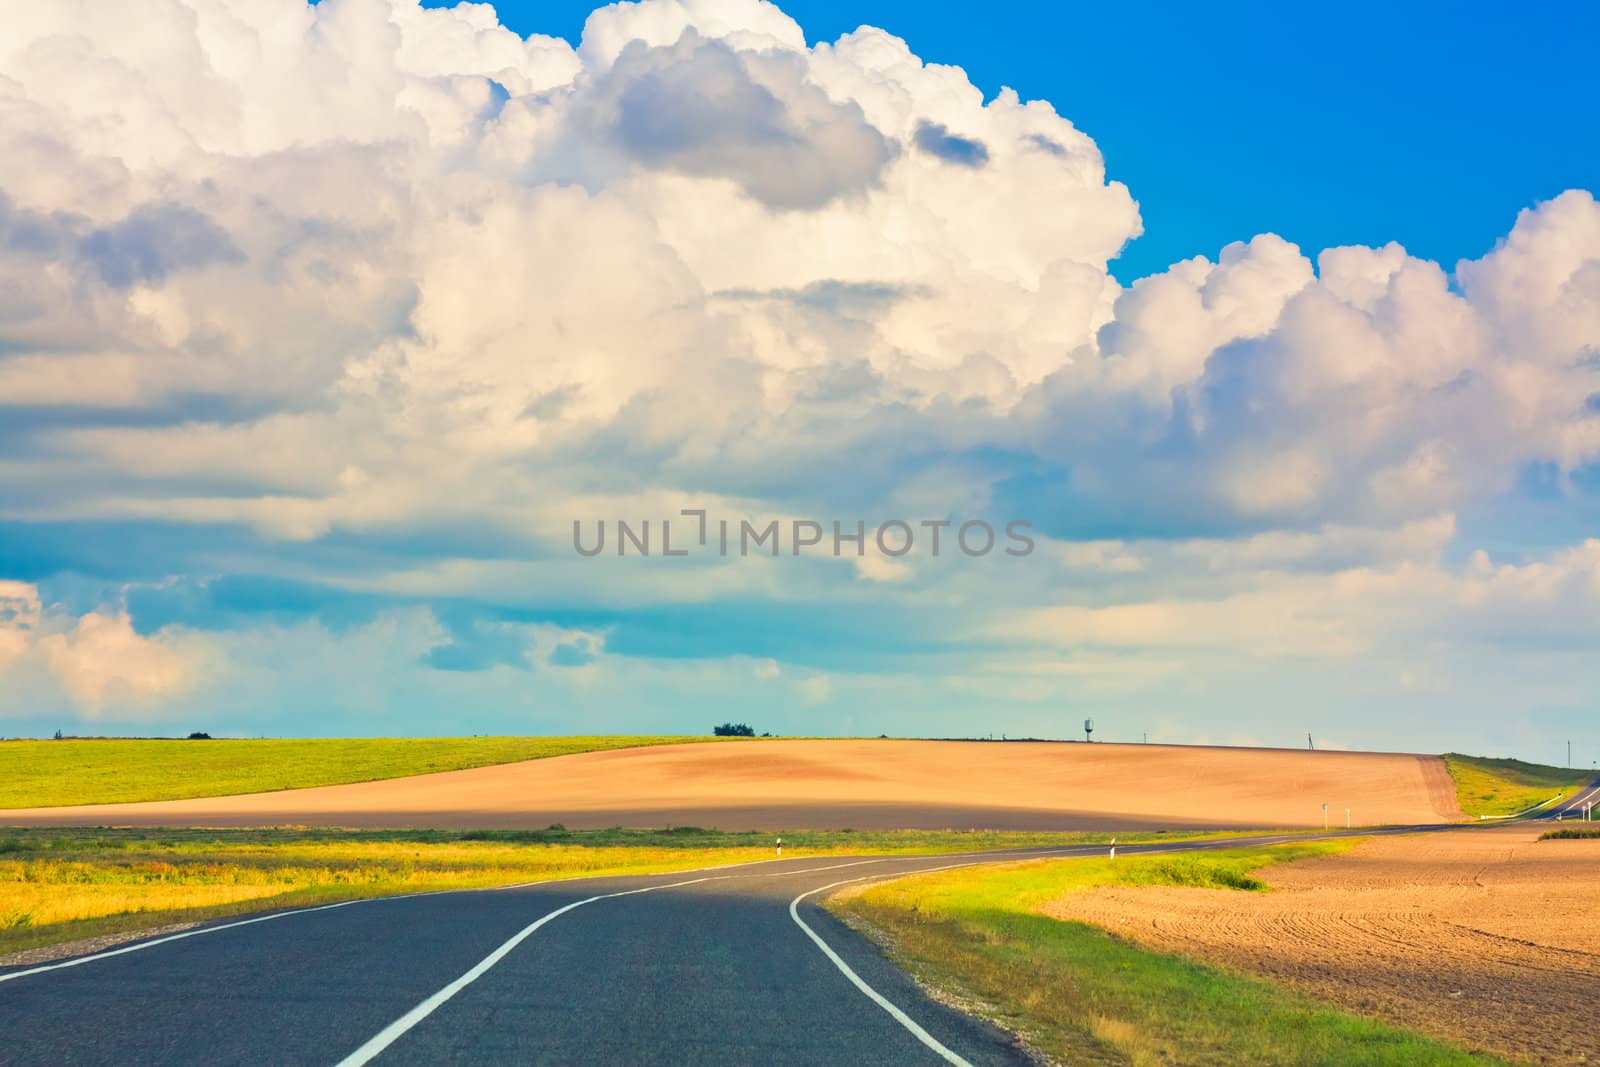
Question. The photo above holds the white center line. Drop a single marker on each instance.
(215, 928)
(397, 1029)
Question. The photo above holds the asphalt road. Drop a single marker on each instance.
(1573, 807)
(730, 965)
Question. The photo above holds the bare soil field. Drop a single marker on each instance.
(1486, 937)
(836, 784)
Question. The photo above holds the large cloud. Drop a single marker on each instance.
(96, 660)
(702, 108)
(377, 299)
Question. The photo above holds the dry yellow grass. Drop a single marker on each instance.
(48, 903)
(39, 893)
(60, 885)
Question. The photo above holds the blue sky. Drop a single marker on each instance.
(1347, 123)
(323, 325)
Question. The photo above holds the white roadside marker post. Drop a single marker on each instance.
(1324, 815)
(1347, 818)
(1113, 848)
(780, 846)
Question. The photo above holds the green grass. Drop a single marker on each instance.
(1507, 786)
(1084, 996)
(65, 884)
(1581, 832)
(35, 774)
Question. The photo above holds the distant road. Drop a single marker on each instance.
(732, 965)
(1572, 807)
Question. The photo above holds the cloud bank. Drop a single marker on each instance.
(320, 324)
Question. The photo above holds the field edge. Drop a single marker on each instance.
(1004, 961)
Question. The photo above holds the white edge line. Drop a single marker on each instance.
(422, 1010)
(895, 1012)
(76, 960)
(139, 946)
(873, 995)
(899, 1016)
(398, 1029)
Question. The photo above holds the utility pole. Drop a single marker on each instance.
(1310, 744)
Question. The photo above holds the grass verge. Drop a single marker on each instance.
(1082, 995)
(1572, 833)
(37, 774)
(66, 884)
(1507, 786)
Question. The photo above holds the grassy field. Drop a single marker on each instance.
(1082, 995)
(61, 885)
(1507, 786)
(36, 774)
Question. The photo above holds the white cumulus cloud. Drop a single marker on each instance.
(280, 276)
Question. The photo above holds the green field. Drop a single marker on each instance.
(1507, 786)
(36, 774)
(65, 884)
(1084, 996)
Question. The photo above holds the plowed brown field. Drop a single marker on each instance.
(867, 784)
(1488, 937)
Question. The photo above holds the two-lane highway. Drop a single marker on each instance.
(694, 967)
(1574, 806)
(727, 965)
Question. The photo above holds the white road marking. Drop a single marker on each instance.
(873, 995)
(198, 931)
(152, 943)
(1577, 803)
(75, 961)
(421, 1011)
(398, 1029)
(1077, 851)
(899, 1016)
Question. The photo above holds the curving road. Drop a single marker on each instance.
(1572, 807)
(727, 965)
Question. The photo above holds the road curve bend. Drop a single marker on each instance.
(726, 965)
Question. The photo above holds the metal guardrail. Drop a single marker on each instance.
(1528, 811)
